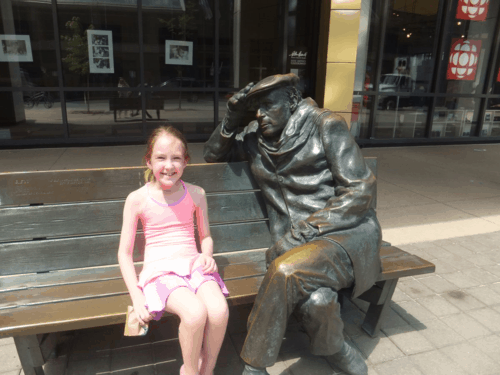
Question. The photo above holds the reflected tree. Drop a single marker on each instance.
(77, 54)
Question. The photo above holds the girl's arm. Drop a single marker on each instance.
(125, 255)
(206, 242)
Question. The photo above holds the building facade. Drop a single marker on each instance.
(110, 71)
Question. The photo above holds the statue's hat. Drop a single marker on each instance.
(273, 82)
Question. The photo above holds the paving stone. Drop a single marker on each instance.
(472, 244)
(437, 284)
(400, 296)
(457, 262)
(495, 287)
(487, 317)
(231, 369)
(302, 363)
(471, 359)
(10, 360)
(438, 305)
(392, 320)
(485, 295)
(408, 340)
(377, 350)
(294, 340)
(414, 288)
(90, 366)
(490, 345)
(495, 269)
(482, 260)
(12, 372)
(466, 326)
(141, 358)
(436, 363)
(413, 312)
(443, 267)
(462, 300)
(353, 319)
(55, 366)
(484, 277)
(398, 366)
(279, 368)
(7, 341)
(493, 255)
(460, 279)
(440, 253)
(457, 249)
(439, 334)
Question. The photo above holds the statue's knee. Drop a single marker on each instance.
(284, 269)
(323, 297)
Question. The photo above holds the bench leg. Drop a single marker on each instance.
(375, 313)
(30, 354)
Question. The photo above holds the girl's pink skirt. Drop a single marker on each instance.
(158, 289)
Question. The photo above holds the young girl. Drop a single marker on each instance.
(175, 277)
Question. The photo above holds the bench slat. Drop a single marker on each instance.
(82, 275)
(105, 288)
(397, 263)
(92, 251)
(59, 220)
(24, 188)
(95, 312)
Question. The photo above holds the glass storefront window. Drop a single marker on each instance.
(454, 117)
(99, 42)
(28, 45)
(467, 46)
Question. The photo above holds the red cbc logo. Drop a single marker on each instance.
(474, 10)
(462, 64)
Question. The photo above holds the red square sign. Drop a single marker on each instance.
(464, 55)
(473, 10)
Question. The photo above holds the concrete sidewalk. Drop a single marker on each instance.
(441, 203)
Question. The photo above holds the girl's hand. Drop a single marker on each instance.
(143, 315)
(208, 263)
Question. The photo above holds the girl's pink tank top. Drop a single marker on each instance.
(169, 233)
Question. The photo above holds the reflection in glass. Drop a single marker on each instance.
(30, 114)
(466, 44)
(360, 117)
(401, 117)
(32, 49)
(111, 52)
(407, 64)
(109, 115)
(454, 117)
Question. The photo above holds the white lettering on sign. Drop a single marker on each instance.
(298, 54)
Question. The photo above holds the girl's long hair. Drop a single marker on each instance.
(159, 131)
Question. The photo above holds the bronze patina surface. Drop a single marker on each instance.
(317, 190)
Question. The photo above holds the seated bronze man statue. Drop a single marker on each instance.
(317, 189)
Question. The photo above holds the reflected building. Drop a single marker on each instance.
(109, 71)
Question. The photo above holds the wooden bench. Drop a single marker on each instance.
(59, 233)
(135, 104)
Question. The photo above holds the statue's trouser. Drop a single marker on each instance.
(302, 276)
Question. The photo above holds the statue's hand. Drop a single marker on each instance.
(237, 103)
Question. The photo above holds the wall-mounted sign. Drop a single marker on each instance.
(464, 55)
(297, 57)
(15, 48)
(178, 52)
(474, 10)
(100, 51)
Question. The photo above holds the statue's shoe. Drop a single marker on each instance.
(350, 361)
(250, 370)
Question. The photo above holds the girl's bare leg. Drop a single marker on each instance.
(193, 314)
(217, 315)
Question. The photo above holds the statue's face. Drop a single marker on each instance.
(273, 112)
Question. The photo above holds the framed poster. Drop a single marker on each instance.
(100, 51)
(15, 48)
(178, 52)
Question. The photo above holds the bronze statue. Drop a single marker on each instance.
(317, 190)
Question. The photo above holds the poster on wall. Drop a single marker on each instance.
(15, 48)
(464, 55)
(178, 52)
(100, 51)
(472, 10)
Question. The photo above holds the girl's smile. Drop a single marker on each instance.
(167, 161)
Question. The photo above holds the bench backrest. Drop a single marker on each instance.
(56, 220)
